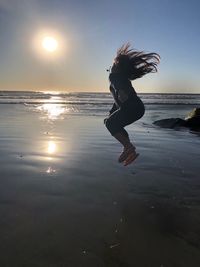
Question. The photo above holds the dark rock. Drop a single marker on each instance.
(192, 121)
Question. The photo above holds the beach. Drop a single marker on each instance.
(65, 201)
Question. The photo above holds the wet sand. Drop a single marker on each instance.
(66, 201)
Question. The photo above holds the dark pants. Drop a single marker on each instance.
(130, 111)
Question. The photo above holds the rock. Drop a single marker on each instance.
(192, 121)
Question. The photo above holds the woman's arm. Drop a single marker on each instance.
(122, 86)
(115, 95)
(113, 109)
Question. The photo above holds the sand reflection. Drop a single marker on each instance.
(51, 147)
(51, 150)
(50, 170)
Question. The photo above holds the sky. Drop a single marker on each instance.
(88, 34)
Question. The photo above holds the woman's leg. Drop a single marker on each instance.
(123, 139)
(129, 148)
(115, 124)
(124, 132)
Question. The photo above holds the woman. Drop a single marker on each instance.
(128, 65)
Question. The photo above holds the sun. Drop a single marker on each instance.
(50, 44)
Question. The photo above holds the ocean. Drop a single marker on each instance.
(92, 103)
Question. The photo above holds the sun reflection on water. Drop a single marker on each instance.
(50, 170)
(51, 147)
(54, 109)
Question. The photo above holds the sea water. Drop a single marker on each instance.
(91, 103)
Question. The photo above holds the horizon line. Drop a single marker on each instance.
(92, 92)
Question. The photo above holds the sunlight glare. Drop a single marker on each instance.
(50, 44)
(53, 111)
(51, 147)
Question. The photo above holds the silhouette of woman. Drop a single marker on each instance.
(128, 65)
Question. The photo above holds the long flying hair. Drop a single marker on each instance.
(135, 64)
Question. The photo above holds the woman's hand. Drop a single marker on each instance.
(104, 121)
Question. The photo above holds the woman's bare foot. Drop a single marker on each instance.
(131, 157)
(126, 151)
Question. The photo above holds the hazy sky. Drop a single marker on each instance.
(88, 34)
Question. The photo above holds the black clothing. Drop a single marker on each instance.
(127, 108)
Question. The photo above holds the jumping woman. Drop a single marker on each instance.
(128, 65)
